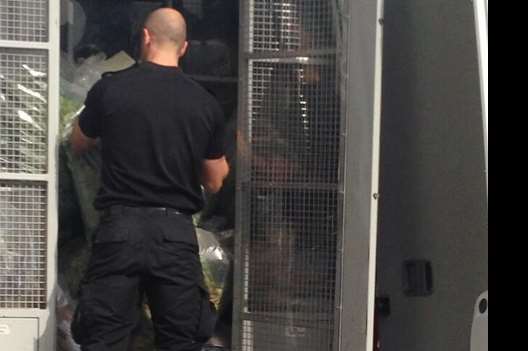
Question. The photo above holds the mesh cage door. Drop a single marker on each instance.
(307, 163)
(290, 125)
(28, 131)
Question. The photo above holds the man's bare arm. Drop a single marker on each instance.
(80, 142)
(214, 174)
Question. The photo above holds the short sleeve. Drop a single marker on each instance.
(90, 120)
(217, 147)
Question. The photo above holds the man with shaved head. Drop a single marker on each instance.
(168, 27)
(162, 144)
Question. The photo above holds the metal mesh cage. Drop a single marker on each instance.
(23, 111)
(289, 177)
(290, 205)
(23, 245)
(24, 20)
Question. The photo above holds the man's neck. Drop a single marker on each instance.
(167, 60)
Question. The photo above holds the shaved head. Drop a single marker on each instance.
(167, 27)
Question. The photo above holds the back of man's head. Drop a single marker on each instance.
(166, 28)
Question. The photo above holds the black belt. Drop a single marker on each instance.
(156, 211)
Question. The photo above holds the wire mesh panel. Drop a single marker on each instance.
(24, 20)
(26, 182)
(294, 119)
(23, 111)
(289, 177)
(23, 245)
(291, 25)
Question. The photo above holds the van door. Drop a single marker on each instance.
(433, 235)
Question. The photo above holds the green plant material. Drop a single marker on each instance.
(215, 265)
(69, 108)
(215, 287)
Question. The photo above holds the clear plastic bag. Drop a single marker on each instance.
(75, 84)
(65, 314)
(215, 263)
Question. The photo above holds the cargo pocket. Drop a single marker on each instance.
(178, 230)
(109, 239)
(208, 317)
(109, 250)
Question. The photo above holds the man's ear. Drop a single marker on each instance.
(147, 38)
(184, 48)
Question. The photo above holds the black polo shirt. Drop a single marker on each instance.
(157, 127)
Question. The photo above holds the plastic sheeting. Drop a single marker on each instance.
(85, 170)
(65, 314)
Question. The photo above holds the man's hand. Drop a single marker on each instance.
(80, 142)
(214, 173)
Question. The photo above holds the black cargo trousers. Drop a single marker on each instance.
(138, 252)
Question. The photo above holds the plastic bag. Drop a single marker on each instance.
(215, 263)
(65, 314)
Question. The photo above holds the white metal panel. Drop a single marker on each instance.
(364, 47)
(482, 22)
(29, 104)
(23, 45)
(376, 153)
(19, 334)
